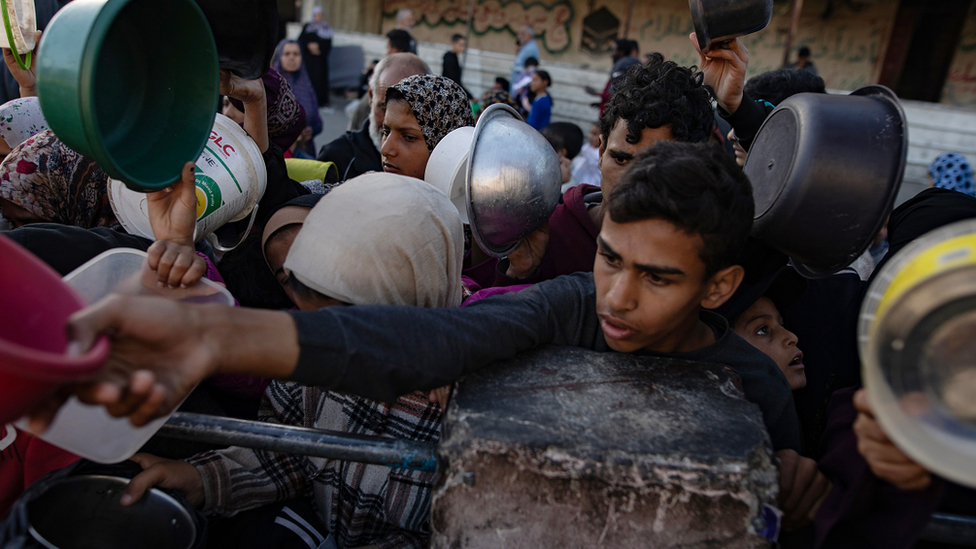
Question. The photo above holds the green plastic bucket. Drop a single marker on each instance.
(131, 84)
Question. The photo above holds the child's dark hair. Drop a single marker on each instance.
(564, 135)
(531, 62)
(779, 85)
(399, 40)
(456, 38)
(660, 93)
(697, 187)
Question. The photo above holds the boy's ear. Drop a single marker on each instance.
(722, 285)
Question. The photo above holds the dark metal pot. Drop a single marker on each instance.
(720, 20)
(83, 512)
(825, 170)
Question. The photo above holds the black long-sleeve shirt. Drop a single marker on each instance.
(381, 352)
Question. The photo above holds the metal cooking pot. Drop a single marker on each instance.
(917, 332)
(513, 180)
(825, 170)
(720, 20)
(83, 512)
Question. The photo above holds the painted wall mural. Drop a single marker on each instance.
(848, 47)
(960, 86)
(551, 20)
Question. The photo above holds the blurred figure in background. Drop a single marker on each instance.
(803, 62)
(452, 63)
(288, 62)
(405, 22)
(624, 55)
(398, 41)
(567, 139)
(527, 48)
(541, 110)
(586, 165)
(316, 41)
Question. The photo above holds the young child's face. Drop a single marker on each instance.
(762, 326)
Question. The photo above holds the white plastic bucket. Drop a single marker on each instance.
(448, 166)
(231, 178)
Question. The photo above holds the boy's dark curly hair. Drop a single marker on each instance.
(660, 93)
(776, 86)
(695, 186)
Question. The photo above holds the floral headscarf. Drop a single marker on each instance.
(45, 177)
(440, 105)
(492, 97)
(286, 116)
(952, 171)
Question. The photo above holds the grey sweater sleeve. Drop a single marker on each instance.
(382, 352)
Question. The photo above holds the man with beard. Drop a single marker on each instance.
(358, 152)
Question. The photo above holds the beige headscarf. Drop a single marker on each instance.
(382, 239)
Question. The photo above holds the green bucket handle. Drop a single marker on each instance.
(26, 65)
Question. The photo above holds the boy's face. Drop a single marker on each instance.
(650, 284)
(616, 153)
(762, 326)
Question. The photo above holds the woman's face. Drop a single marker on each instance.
(404, 149)
(291, 57)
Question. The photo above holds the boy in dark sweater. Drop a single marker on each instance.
(674, 225)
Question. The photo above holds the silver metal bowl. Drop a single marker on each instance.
(513, 180)
(83, 512)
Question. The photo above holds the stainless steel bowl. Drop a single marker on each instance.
(721, 20)
(83, 512)
(513, 180)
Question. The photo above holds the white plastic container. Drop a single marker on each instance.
(231, 178)
(89, 431)
(23, 25)
(448, 166)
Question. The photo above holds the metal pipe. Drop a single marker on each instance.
(287, 439)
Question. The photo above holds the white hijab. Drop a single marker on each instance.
(382, 239)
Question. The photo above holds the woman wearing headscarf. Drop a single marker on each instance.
(401, 244)
(316, 41)
(420, 111)
(952, 171)
(43, 181)
(288, 62)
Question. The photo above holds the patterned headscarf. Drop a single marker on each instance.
(952, 171)
(45, 177)
(492, 97)
(440, 105)
(286, 116)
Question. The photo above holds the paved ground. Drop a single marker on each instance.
(334, 123)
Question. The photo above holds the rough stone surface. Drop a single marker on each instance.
(569, 448)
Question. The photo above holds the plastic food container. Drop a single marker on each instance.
(36, 306)
(89, 431)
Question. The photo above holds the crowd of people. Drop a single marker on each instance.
(363, 302)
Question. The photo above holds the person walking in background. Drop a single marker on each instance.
(523, 94)
(527, 47)
(316, 41)
(288, 62)
(624, 56)
(398, 41)
(541, 110)
(452, 63)
(803, 62)
(405, 22)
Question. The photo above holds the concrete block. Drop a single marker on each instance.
(567, 448)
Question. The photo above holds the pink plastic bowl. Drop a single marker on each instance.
(35, 307)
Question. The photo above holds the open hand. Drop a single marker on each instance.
(173, 210)
(802, 489)
(886, 460)
(524, 260)
(27, 79)
(165, 473)
(725, 71)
